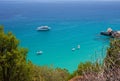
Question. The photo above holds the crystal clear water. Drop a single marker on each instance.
(72, 24)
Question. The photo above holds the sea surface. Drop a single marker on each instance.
(72, 24)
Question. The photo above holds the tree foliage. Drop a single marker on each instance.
(45, 73)
(13, 64)
(113, 54)
(86, 67)
(112, 61)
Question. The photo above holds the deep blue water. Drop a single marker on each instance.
(72, 24)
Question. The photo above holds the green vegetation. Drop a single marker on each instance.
(113, 54)
(44, 73)
(112, 61)
(13, 63)
(86, 67)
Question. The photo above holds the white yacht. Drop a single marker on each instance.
(78, 46)
(73, 49)
(39, 52)
(43, 28)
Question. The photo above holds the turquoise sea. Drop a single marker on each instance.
(75, 23)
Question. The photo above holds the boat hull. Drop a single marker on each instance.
(43, 29)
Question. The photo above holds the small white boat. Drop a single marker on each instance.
(43, 28)
(78, 46)
(39, 52)
(73, 49)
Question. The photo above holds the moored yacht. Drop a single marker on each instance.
(39, 52)
(43, 28)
